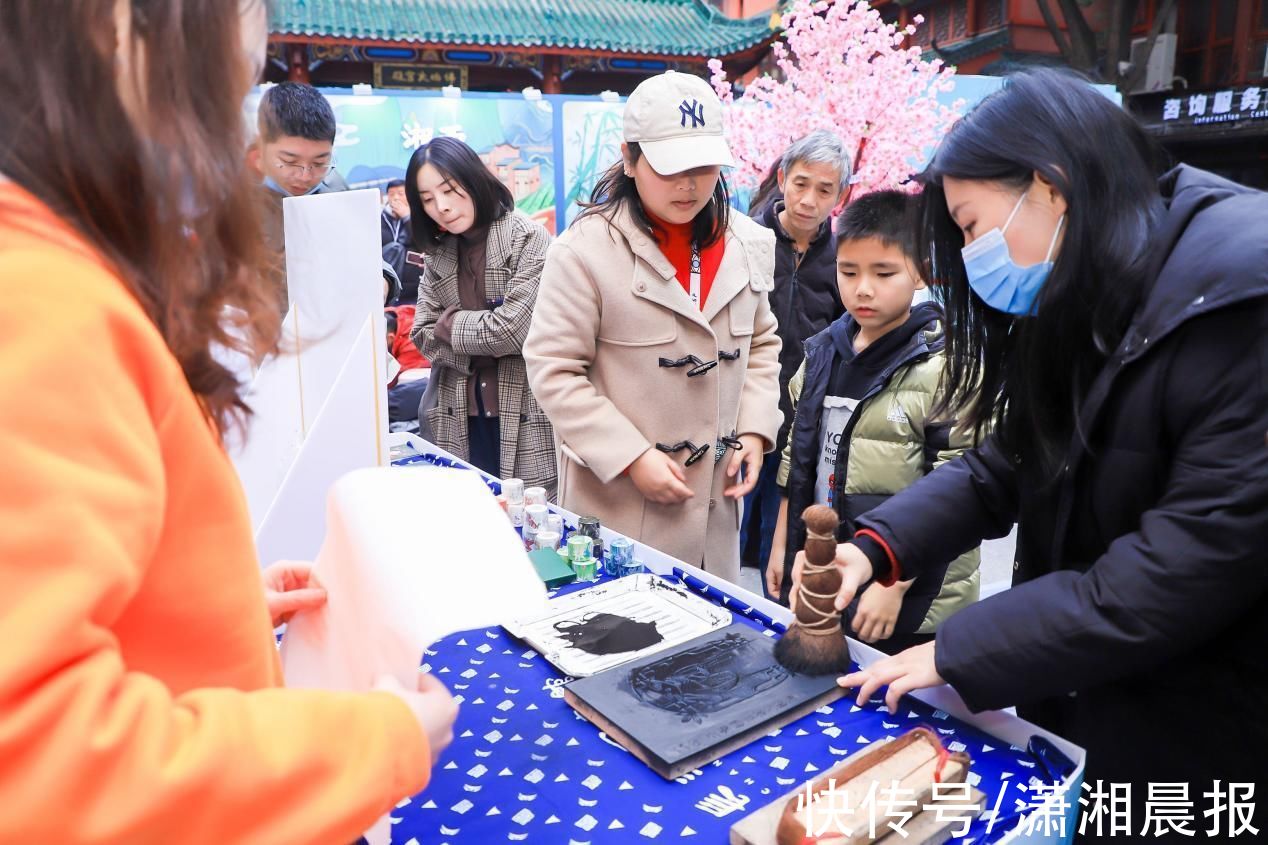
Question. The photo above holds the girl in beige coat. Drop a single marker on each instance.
(653, 348)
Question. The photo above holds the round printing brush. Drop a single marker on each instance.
(814, 644)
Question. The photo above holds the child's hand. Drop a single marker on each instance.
(799, 564)
(660, 478)
(778, 551)
(775, 572)
(878, 611)
(750, 458)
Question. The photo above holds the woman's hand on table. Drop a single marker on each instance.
(289, 587)
(909, 670)
(432, 705)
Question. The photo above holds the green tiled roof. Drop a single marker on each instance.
(639, 27)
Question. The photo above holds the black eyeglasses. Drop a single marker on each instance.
(301, 170)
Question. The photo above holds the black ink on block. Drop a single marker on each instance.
(606, 633)
(707, 678)
(725, 689)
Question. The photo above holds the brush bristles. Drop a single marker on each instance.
(812, 655)
(823, 650)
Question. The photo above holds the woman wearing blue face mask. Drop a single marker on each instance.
(1109, 328)
(988, 262)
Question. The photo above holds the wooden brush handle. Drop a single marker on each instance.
(820, 578)
(821, 534)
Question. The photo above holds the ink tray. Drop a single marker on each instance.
(615, 622)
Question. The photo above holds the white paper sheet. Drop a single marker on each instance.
(410, 555)
(334, 278)
(345, 436)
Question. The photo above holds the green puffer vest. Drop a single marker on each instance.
(893, 442)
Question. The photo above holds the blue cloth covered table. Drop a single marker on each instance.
(524, 767)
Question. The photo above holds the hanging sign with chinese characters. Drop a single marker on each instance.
(1203, 108)
(419, 76)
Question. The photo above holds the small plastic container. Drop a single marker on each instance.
(513, 490)
(547, 540)
(516, 513)
(619, 557)
(587, 569)
(580, 548)
(633, 567)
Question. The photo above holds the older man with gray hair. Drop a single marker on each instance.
(812, 178)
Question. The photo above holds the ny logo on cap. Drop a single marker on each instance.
(693, 110)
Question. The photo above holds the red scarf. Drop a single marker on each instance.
(674, 241)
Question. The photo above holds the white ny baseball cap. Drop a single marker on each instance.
(676, 119)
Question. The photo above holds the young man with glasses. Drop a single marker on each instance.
(294, 154)
(297, 140)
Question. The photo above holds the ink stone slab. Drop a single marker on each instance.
(685, 707)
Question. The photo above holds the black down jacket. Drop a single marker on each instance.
(805, 300)
(1137, 624)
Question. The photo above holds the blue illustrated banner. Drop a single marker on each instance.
(549, 152)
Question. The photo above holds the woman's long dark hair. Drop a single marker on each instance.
(170, 204)
(767, 191)
(460, 164)
(615, 189)
(1028, 376)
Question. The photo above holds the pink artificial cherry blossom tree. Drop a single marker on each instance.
(845, 70)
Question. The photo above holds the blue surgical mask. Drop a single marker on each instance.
(996, 278)
(271, 184)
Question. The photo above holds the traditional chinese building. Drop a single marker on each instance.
(1215, 116)
(1204, 96)
(560, 47)
(977, 36)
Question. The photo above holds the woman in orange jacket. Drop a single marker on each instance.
(140, 690)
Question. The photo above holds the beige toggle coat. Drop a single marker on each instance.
(608, 309)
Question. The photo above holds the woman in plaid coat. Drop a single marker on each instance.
(475, 301)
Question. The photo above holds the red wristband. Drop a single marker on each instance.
(895, 571)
